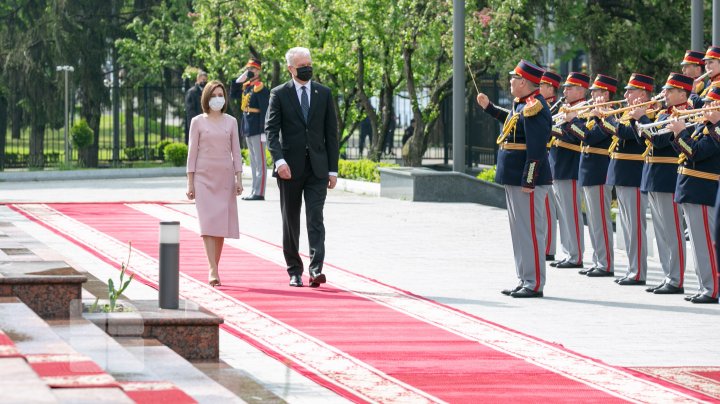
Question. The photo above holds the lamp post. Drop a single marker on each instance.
(66, 69)
(169, 264)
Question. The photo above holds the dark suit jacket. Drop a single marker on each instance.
(291, 138)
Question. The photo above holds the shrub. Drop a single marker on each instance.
(487, 174)
(176, 153)
(365, 170)
(82, 134)
(161, 148)
(268, 159)
(245, 154)
(134, 153)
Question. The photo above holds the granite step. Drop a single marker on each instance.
(139, 359)
(52, 289)
(33, 336)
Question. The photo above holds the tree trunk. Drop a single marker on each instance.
(129, 118)
(89, 155)
(37, 146)
(415, 149)
(3, 130)
(16, 121)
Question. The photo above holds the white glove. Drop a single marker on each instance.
(242, 78)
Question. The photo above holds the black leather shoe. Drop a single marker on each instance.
(568, 264)
(618, 280)
(254, 198)
(585, 271)
(554, 264)
(597, 273)
(702, 299)
(668, 289)
(296, 281)
(508, 292)
(654, 288)
(549, 257)
(629, 281)
(689, 298)
(316, 278)
(525, 292)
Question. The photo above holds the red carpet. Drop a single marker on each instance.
(702, 379)
(402, 357)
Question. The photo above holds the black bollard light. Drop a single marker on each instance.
(169, 264)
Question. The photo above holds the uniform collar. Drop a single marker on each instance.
(524, 99)
(577, 101)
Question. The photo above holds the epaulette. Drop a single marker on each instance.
(699, 87)
(258, 87)
(532, 107)
(590, 124)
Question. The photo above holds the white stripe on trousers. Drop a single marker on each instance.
(551, 213)
(257, 164)
(572, 228)
(702, 228)
(528, 225)
(597, 204)
(632, 205)
(669, 234)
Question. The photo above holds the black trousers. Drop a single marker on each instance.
(301, 186)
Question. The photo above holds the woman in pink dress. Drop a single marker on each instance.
(214, 170)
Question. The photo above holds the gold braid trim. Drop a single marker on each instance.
(508, 127)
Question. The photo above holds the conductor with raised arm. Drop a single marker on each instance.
(523, 170)
(301, 130)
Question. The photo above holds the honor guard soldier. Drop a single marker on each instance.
(594, 162)
(254, 99)
(625, 174)
(692, 65)
(565, 162)
(659, 179)
(522, 168)
(712, 68)
(697, 185)
(549, 84)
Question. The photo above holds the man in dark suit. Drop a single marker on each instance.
(301, 130)
(192, 101)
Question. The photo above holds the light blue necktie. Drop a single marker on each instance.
(304, 103)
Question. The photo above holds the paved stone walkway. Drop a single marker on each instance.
(455, 253)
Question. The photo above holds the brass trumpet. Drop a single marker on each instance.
(582, 109)
(702, 76)
(694, 111)
(631, 107)
(660, 127)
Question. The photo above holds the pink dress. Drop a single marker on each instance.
(214, 157)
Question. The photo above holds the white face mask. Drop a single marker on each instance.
(216, 103)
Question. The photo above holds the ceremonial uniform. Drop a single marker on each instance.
(565, 163)
(625, 173)
(658, 180)
(594, 161)
(695, 58)
(522, 164)
(554, 80)
(254, 98)
(697, 186)
(696, 100)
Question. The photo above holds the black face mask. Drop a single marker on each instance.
(304, 73)
(250, 74)
(202, 84)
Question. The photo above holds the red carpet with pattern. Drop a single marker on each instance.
(417, 357)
